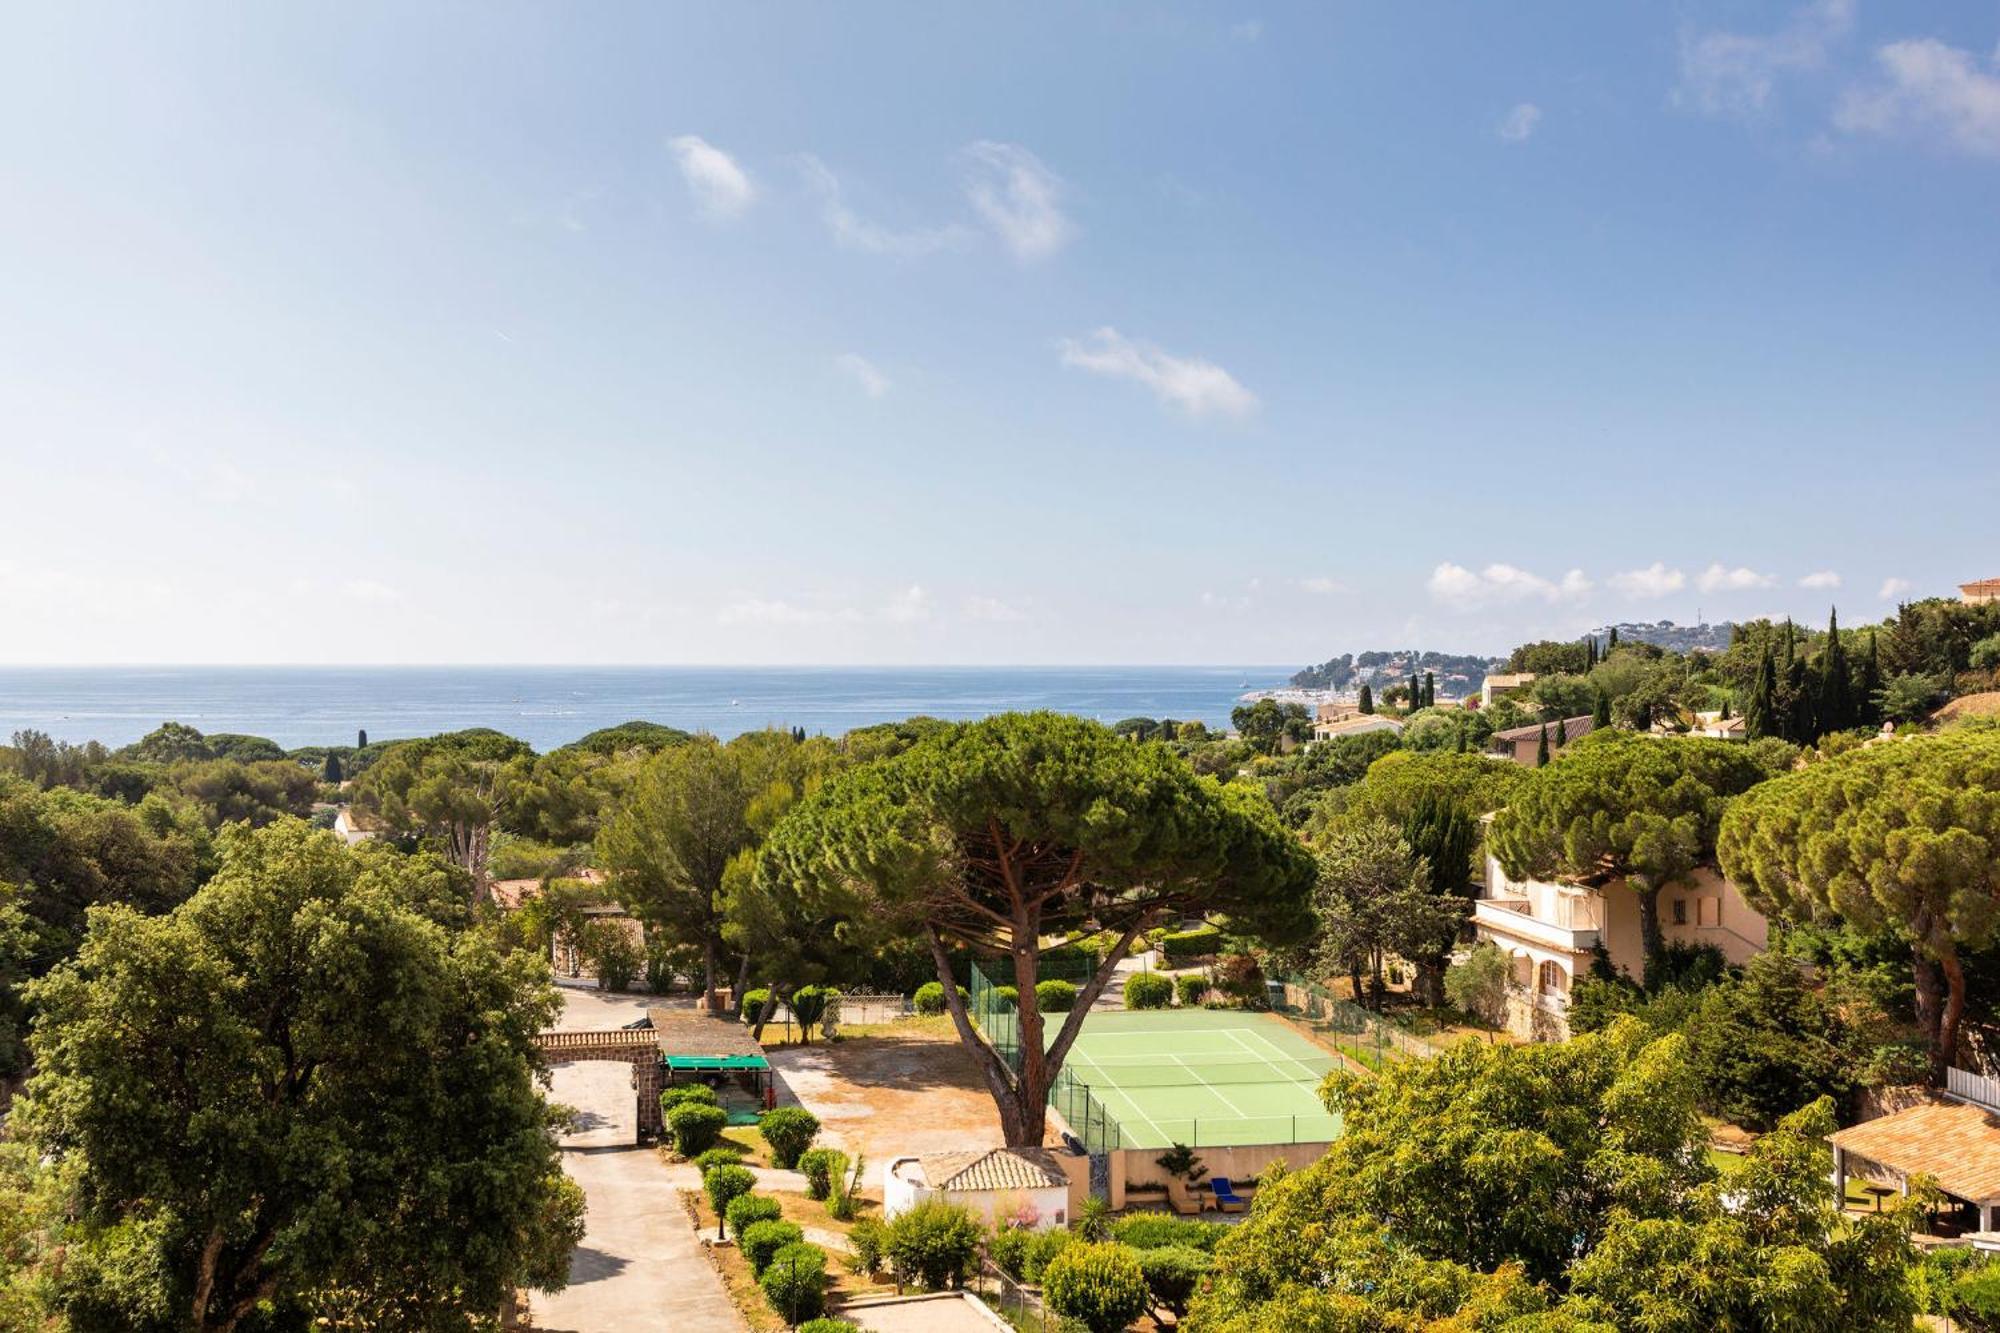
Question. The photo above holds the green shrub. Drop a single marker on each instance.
(933, 1244)
(695, 1127)
(1935, 1277)
(1156, 1231)
(828, 1326)
(1976, 1299)
(1148, 990)
(1043, 1247)
(795, 1282)
(867, 1238)
(754, 1000)
(929, 999)
(1192, 989)
(764, 1239)
(1093, 1220)
(1009, 1250)
(746, 1210)
(809, 1006)
(1173, 1274)
(789, 1130)
(1184, 946)
(843, 1185)
(1055, 997)
(1099, 1286)
(1007, 997)
(820, 1166)
(687, 1094)
(723, 1184)
(721, 1155)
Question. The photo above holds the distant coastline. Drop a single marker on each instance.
(551, 706)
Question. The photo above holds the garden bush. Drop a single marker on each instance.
(795, 1282)
(867, 1238)
(720, 1155)
(723, 1184)
(1184, 946)
(1007, 997)
(929, 999)
(828, 1326)
(1156, 1231)
(790, 1130)
(746, 1210)
(1976, 1299)
(1192, 988)
(1099, 1286)
(1023, 1253)
(695, 1127)
(1148, 990)
(809, 1006)
(1043, 1246)
(1240, 977)
(1055, 997)
(753, 1003)
(1173, 1274)
(933, 1244)
(764, 1239)
(686, 1094)
(820, 1166)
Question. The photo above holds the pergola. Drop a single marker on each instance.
(715, 1050)
(1956, 1144)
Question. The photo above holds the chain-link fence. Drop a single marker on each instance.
(1370, 1039)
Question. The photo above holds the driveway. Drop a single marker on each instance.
(640, 1267)
(592, 1010)
(600, 1091)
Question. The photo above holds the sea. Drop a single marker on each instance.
(549, 706)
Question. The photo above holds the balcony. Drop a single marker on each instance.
(1510, 917)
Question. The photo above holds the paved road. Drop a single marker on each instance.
(640, 1267)
(600, 1091)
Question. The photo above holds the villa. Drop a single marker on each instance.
(1979, 592)
(1523, 744)
(1551, 932)
(1500, 686)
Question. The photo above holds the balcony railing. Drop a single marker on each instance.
(1513, 917)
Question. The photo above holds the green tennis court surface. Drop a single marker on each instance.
(1203, 1077)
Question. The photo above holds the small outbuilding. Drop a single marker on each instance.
(1025, 1187)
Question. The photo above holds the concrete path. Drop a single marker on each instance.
(640, 1268)
(600, 1091)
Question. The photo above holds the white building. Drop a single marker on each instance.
(1354, 724)
(347, 830)
(1551, 932)
(1005, 1186)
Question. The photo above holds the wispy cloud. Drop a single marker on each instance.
(1716, 578)
(1018, 197)
(1893, 588)
(721, 189)
(1929, 88)
(1655, 580)
(992, 610)
(872, 381)
(858, 233)
(1821, 578)
(1519, 123)
(1196, 387)
(1497, 584)
(905, 607)
(1734, 74)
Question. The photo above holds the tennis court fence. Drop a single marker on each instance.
(1370, 1039)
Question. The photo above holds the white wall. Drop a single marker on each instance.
(900, 1193)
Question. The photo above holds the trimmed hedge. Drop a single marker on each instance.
(795, 1282)
(820, 1167)
(1099, 1286)
(686, 1094)
(790, 1130)
(1156, 1231)
(1055, 997)
(747, 1210)
(828, 1326)
(724, 1185)
(1148, 990)
(764, 1239)
(1023, 1254)
(1192, 989)
(696, 1127)
(717, 1157)
(753, 1003)
(1173, 1274)
(1007, 997)
(929, 999)
(934, 1243)
(1184, 946)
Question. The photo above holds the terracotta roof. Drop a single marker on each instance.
(1981, 587)
(994, 1169)
(1357, 722)
(1954, 1142)
(1572, 728)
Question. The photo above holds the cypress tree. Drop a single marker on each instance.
(1725, 710)
(1367, 698)
(1761, 720)
(1836, 689)
(1460, 746)
(1542, 747)
(1562, 725)
(1600, 717)
(1613, 642)
(1430, 689)
(332, 770)
(1416, 693)
(361, 741)
(1866, 711)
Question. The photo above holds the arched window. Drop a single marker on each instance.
(1552, 980)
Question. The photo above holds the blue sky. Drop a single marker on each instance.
(1025, 333)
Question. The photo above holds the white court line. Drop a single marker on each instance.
(1211, 1087)
(1278, 1050)
(1100, 1092)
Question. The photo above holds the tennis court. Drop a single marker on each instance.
(1204, 1078)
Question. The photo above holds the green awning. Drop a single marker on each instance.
(716, 1062)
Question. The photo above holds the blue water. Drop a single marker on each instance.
(550, 706)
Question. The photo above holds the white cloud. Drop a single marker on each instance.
(908, 606)
(1519, 123)
(1655, 580)
(1740, 579)
(858, 233)
(1732, 73)
(905, 607)
(1929, 87)
(1196, 387)
(1017, 197)
(1457, 586)
(872, 381)
(1894, 588)
(992, 610)
(720, 187)
(370, 592)
(1822, 578)
(1323, 586)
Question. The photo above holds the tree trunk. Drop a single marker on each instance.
(1651, 943)
(1930, 987)
(1430, 980)
(742, 984)
(710, 1000)
(1954, 1015)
